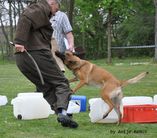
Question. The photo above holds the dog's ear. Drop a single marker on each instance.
(75, 53)
(80, 52)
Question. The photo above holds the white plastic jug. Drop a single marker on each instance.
(98, 108)
(73, 107)
(30, 107)
(3, 100)
(39, 94)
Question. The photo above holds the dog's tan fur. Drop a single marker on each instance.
(90, 74)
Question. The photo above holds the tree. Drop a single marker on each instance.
(71, 9)
(117, 11)
(137, 29)
(88, 23)
(109, 29)
(155, 3)
(10, 49)
(10, 11)
(68, 7)
(98, 19)
(98, 25)
(4, 27)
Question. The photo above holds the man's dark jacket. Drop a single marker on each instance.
(34, 30)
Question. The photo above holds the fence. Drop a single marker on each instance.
(129, 47)
(124, 51)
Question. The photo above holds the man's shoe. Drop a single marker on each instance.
(66, 121)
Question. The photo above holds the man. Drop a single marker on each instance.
(33, 34)
(62, 32)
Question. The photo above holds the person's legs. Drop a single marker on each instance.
(53, 77)
(29, 70)
(56, 89)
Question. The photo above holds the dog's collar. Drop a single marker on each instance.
(78, 67)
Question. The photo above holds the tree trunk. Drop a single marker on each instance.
(109, 28)
(14, 14)
(71, 9)
(155, 57)
(10, 51)
(3, 30)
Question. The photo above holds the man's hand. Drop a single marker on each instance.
(19, 48)
(70, 39)
(71, 48)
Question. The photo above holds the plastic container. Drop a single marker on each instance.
(98, 108)
(30, 107)
(80, 100)
(73, 107)
(139, 109)
(137, 100)
(140, 114)
(39, 94)
(155, 99)
(3, 100)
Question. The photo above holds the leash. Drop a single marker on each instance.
(35, 64)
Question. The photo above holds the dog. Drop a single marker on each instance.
(90, 74)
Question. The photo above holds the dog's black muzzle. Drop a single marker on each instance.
(60, 55)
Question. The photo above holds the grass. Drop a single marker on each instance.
(13, 82)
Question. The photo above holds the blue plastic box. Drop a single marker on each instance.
(81, 100)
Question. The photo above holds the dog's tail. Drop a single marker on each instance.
(135, 79)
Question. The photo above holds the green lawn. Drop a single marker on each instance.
(13, 82)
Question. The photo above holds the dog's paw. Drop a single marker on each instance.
(73, 91)
(118, 122)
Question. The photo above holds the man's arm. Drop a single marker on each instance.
(67, 28)
(22, 31)
(70, 39)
